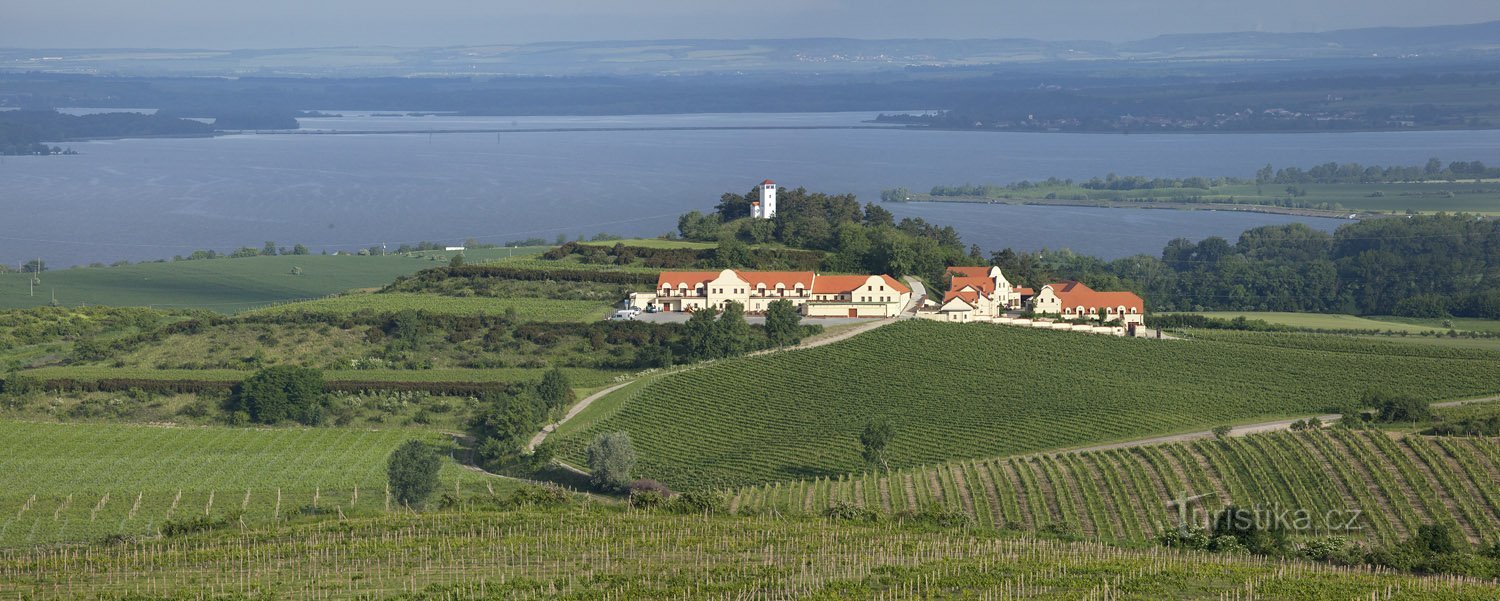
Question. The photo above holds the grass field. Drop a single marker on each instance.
(1462, 324)
(525, 309)
(653, 243)
(963, 391)
(224, 285)
(1123, 494)
(1327, 321)
(81, 482)
(612, 554)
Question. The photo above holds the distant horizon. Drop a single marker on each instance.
(281, 24)
(627, 40)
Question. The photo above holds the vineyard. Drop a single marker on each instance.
(965, 391)
(523, 309)
(1123, 494)
(81, 482)
(601, 553)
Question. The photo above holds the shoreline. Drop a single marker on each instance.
(1347, 215)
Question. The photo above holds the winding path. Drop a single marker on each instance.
(918, 292)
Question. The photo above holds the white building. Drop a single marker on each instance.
(765, 206)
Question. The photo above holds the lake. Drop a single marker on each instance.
(154, 198)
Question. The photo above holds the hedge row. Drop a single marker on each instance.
(197, 386)
(505, 272)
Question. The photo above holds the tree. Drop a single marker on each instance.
(732, 253)
(554, 389)
(1397, 408)
(412, 471)
(783, 323)
(699, 332)
(457, 260)
(731, 332)
(1221, 432)
(281, 393)
(299, 249)
(269, 250)
(611, 459)
(875, 438)
(34, 266)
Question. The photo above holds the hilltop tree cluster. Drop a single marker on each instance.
(856, 239)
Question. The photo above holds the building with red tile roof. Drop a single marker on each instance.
(817, 295)
(1073, 300)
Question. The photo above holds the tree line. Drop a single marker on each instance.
(24, 131)
(1420, 266)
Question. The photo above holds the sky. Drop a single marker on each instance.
(224, 24)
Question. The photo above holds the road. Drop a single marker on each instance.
(918, 291)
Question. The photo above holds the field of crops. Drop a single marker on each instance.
(1322, 321)
(525, 309)
(965, 391)
(81, 482)
(1123, 494)
(612, 554)
(225, 285)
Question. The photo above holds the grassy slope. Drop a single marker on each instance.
(1123, 494)
(604, 554)
(69, 468)
(1324, 321)
(527, 309)
(955, 391)
(579, 377)
(225, 285)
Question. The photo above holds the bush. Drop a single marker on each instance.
(1397, 408)
(281, 393)
(412, 471)
(850, 512)
(611, 459)
(704, 502)
(540, 495)
(647, 499)
(1222, 431)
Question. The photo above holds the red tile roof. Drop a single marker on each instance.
(768, 183)
(983, 284)
(1025, 291)
(692, 279)
(788, 279)
(1075, 294)
(894, 283)
(967, 296)
(969, 272)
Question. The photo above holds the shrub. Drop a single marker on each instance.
(700, 502)
(281, 393)
(412, 471)
(850, 512)
(611, 459)
(1397, 408)
(540, 495)
(1221, 431)
(647, 499)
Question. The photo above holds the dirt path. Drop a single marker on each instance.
(918, 293)
(1275, 426)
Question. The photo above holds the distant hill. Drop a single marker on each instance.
(821, 55)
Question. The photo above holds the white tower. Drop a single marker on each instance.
(766, 207)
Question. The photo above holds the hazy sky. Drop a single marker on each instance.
(293, 23)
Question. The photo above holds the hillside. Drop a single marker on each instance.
(223, 285)
(582, 553)
(81, 482)
(1123, 494)
(965, 391)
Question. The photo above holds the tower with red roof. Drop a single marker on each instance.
(765, 206)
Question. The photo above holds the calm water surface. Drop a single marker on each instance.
(155, 198)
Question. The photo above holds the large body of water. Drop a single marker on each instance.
(154, 198)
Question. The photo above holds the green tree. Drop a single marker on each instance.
(875, 438)
(299, 249)
(412, 471)
(611, 459)
(731, 332)
(503, 425)
(457, 260)
(699, 333)
(732, 253)
(269, 250)
(554, 390)
(34, 266)
(783, 323)
(281, 393)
